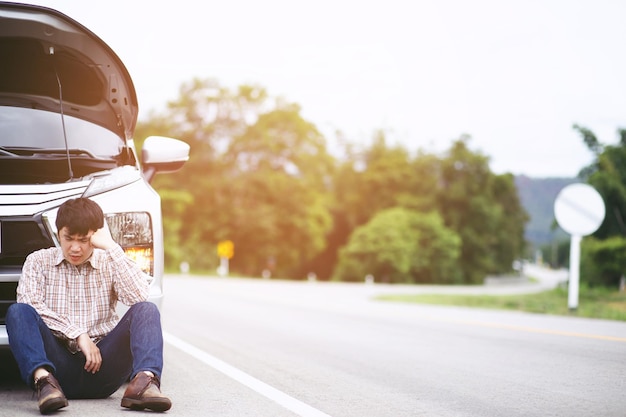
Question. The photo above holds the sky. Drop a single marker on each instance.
(513, 75)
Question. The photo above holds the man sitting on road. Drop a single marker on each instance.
(63, 330)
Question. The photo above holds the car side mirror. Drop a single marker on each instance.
(162, 154)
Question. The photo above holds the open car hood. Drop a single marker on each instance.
(51, 62)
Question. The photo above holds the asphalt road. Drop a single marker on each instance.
(237, 347)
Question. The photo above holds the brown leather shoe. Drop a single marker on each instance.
(144, 391)
(50, 394)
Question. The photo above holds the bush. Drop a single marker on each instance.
(401, 246)
(603, 262)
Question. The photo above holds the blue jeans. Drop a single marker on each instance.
(134, 345)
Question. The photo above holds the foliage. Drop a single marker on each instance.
(484, 209)
(556, 254)
(260, 175)
(255, 176)
(510, 242)
(590, 139)
(174, 201)
(278, 208)
(607, 174)
(400, 245)
(369, 180)
(603, 258)
(603, 261)
(381, 177)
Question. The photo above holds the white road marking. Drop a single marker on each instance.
(260, 387)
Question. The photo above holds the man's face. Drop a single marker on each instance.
(76, 248)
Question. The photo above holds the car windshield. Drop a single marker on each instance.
(38, 129)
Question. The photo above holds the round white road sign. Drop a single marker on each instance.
(579, 209)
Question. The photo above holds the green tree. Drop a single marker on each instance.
(607, 174)
(371, 179)
(602, 258)
(279, 215)
(510, 234)
(260, 175)
(483, 209)
(256, 176)
(401, 246)
(380, 177)
(175, 200)
(207, 116)
(174, 204)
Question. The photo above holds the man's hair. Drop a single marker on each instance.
(80, 215)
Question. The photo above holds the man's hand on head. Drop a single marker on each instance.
(102, 239)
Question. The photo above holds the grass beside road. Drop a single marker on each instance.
(599, 303)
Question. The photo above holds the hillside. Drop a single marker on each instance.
(537, 196)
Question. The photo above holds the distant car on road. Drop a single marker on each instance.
(68, 111)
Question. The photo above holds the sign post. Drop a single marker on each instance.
(225, 250)
(579, 210)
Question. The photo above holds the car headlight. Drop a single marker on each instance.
(133, 232)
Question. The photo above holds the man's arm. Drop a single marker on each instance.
(131, 285)
(93, 358)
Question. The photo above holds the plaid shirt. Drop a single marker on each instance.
(73, 300)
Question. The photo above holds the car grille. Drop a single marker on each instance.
(18, 238)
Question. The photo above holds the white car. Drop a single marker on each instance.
(68, 111)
